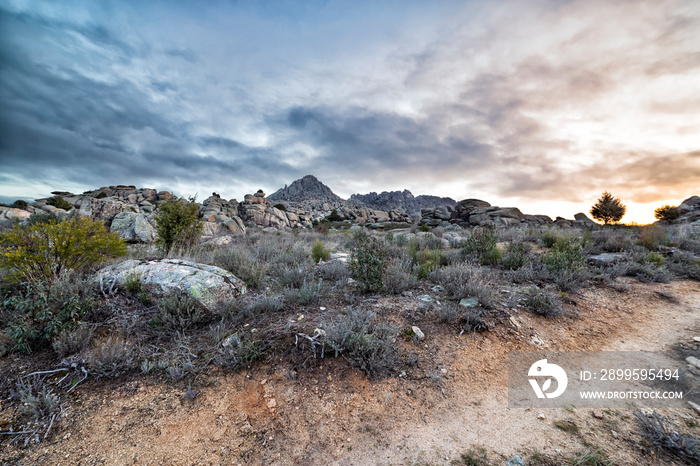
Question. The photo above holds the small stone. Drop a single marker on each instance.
(614, 434)
(322, 308)
(300, 317)
(418, 332)
(407, 294)
(541, 417)
(437, 288)
(425, 298)
(263, 381)
(469, 302)
(598, 414)
(67, 436)
(272, 403)
(693, 361)
(696, 339)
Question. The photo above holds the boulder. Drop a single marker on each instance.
(134, 228)
(583, 218)
(207, 284)
(9, 213)
(606, 258)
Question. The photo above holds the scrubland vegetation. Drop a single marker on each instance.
(303, 300)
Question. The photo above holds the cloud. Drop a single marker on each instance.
(536, 100)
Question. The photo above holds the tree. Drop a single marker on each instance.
(178, 223)
(43, 251)
(608, 209)
(667, 213)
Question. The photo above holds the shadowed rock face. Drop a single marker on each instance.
(307, 188)
(207, 284)
(401, 200)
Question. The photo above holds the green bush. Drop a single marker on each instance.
(334, 216)
(320, 252)
(516, 255)
(44, 310)
(59, 203)
(44, 251)
(667, 213)
(482, 246)
(178, 224)
(20, 204)
(565, 255)
(368, 264)
(42, 217)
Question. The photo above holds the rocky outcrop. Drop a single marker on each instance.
(220, 217)
(134, 228)
(400, 201)
(207, 284)
(308, 188)
(690, 210)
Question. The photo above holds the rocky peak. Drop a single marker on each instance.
(308, 188)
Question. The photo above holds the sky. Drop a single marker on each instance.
(539, 104)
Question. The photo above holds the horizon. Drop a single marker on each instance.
(540, 105)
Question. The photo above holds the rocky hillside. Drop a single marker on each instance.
(402, 200)
(308, 188)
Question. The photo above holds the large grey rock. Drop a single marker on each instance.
(583, 218)
(205, 283)
(606, 258)
(134, 228)
(9, 213)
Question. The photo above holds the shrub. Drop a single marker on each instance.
(71, 341)
(42, 311)
(565, 255)
(334, 216)
(177, 223)
(366, 344)
(667, 213)
(320, 252)
(44, 251)
(309, 292)
(424, 228)
(42, 217)
(111, 358)
(368, 264)
(651, 236)
(20, 204)
(59, 203)
(427, 260)
(265, 303)
(398, 277)
(180, 312)
(295, 277)
(549, 239)
(544, 303)
(516, 255)
(465, 281)
(660, 434)
(242, 264)
(334, 271)
(482, 246)
(608, 209)
(36, 399)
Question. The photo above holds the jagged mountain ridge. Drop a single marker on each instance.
(309, 188)
(401, 200)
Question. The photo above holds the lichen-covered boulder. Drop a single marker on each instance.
(163, 277)
(134, 228)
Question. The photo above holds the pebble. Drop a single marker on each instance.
(469, 302)
(614, 434)
(696, 339)
(693, 361)
(272, 403)
(541, 417)
(598, 414)
(418, 332)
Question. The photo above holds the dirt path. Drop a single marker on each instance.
(456, 400)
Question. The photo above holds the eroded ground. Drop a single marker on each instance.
(295, 409)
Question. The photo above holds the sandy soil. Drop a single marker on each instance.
(454, 400)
